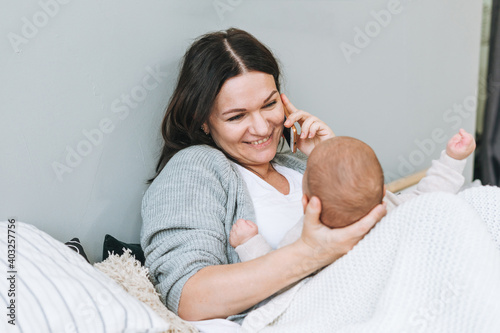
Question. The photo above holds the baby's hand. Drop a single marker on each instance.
(461, 145)
(242, 231)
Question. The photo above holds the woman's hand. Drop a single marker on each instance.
(327, 245)
(312, 129)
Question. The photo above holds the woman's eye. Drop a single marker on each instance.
(269, 105)
(235, 117)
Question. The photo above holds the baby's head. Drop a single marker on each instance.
(345, 174)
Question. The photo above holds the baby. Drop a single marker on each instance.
(345, 174)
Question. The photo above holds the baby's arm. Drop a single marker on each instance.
(246, 240)
(445, 174)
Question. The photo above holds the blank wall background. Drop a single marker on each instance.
(84, 85)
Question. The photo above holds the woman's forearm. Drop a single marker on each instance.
(224, 290)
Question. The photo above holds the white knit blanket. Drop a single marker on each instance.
(431, 265)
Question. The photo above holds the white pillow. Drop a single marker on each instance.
(56, 290)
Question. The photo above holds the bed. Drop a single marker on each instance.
(62, 292)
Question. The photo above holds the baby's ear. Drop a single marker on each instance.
(385, 190)
(305, 201)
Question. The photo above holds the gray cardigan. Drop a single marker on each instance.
(187, 214)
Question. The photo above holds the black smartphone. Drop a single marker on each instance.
(290, 134)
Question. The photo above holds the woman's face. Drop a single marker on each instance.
(247, 118)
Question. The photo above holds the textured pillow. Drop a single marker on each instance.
(56, 290)
(134, 278)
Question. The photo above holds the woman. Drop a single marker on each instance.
(222, 127)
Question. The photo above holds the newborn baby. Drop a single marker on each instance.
(345, 174)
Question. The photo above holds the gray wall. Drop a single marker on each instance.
(93, 77)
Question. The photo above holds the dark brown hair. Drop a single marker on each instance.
(210, 61)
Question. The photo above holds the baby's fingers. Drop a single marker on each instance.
(250, 224)
(467, 137)
(463, 132)
(456, 138)
(238, 224)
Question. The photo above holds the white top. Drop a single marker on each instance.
(275, 212)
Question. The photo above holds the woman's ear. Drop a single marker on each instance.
(305, 201)
(205, 128)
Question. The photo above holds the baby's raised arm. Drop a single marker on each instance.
(445, 174)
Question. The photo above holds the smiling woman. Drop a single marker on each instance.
(249, 134)
(221, 130)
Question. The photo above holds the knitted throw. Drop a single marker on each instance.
(431, 265)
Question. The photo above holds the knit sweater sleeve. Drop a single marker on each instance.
(183, 215)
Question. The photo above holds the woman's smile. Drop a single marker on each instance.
(261, 143)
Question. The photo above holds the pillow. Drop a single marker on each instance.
(113, 245)
(134, 278)
(76, 246)
(53, 289)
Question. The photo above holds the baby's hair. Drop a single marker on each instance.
(345, 174)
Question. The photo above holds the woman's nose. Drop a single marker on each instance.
(260, 125)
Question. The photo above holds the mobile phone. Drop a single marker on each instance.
(290, 134)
